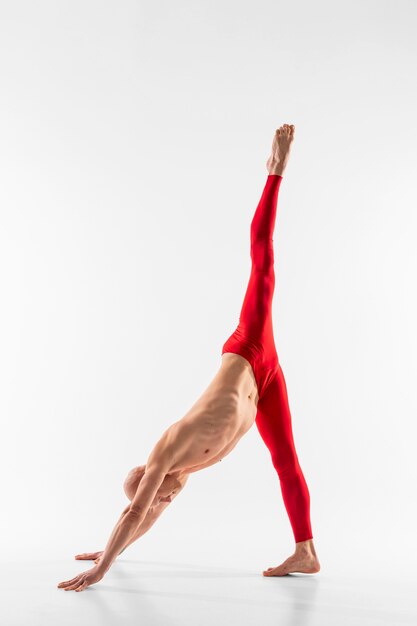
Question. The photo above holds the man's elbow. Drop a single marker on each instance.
(135, 511)
(135, 516)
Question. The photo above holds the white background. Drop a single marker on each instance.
(134, 137)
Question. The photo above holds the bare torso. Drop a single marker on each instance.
(214, 424)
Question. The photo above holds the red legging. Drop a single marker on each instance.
(254, 340)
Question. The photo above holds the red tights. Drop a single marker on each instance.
(254, 340)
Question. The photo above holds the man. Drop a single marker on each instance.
(249, 387)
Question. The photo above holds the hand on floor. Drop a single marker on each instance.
(84, 580)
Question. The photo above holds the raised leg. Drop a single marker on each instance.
(256, 312)
(255, 319)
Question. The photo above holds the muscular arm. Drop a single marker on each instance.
(153, 514)
(132, 517)
(147, 523)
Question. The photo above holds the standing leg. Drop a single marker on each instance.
(273, 420)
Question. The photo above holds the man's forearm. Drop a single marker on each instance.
(129, 523)
(147, 523)
(122, 535)
(143, 528)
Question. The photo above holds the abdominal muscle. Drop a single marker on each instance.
(215, 423)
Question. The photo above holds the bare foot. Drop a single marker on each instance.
(303, 560)
(281, 145)
(89, 556)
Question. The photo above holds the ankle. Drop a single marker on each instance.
(276, 167)
(305, 547)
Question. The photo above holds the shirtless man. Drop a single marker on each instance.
(249, 387)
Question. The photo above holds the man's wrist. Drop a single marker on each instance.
(102, 570)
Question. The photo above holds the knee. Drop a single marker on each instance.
(287, 469)
(132, 480)
(262, 255)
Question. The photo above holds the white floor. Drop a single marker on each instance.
(171, 593)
